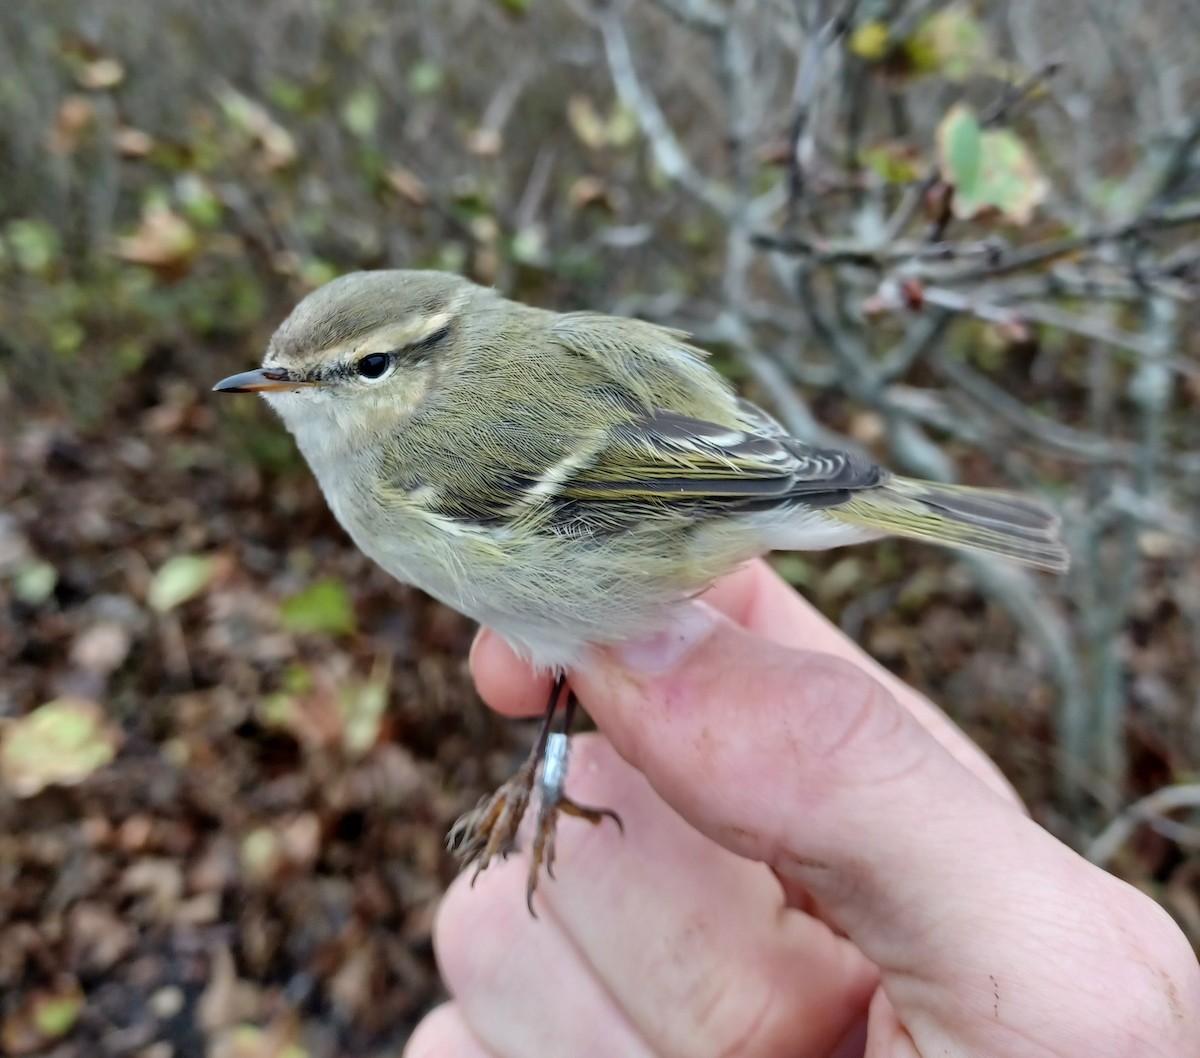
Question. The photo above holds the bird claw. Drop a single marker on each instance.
(553, 801)
(490, 829)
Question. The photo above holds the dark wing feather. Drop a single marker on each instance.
(698, 469)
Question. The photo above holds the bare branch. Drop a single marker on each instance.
(1180, 164)
(1014, 95)
(668, 154)
(1064, 439)
(804, 96)
(1029, 312)
(998, 259)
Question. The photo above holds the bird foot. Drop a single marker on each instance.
(490, 829)
(554, 800)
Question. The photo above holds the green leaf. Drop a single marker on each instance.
(201, 204)
(1010, 179)
(251, 1041)
(34, 582)
(960, 149)
(360, 113)
(34, 244)
(316, 272)
(296, 679)
(586, 121)
(179, 579)
(287, 95)
(66, 337)
(425, 77)
(797, 571)
(323, 608)
(529, 245)
(55, 1016)
(990, 169)
(894, 163)
(61, 742)
(276, 710)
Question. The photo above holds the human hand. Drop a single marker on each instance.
(816, 863)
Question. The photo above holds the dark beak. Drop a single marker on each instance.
(261, 380)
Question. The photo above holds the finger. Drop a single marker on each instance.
(520, 983)
(687, 940)
(443, 1033)
(759, 600)
(506, 682)
(803, 761)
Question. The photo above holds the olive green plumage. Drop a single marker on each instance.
(567, 477)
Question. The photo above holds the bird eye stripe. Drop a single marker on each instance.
(374, 366)
(427, 342)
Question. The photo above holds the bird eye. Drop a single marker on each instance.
(374, 366)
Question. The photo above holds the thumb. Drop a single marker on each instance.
(807, 763)
(798, 759)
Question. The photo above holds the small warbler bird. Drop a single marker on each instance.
(566, 478)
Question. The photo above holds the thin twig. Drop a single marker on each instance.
(1086, 326)
(1151, 810)
(1179, 163)
(1152, 221)
(1014, 95)
(998, 259)
(1064, 439)
(668, 154)
(804, 96)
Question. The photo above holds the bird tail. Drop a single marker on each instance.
(988, 520)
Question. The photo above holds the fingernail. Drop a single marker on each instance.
(690, 624)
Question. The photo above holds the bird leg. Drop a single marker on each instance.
(554, 800)
(490, 829)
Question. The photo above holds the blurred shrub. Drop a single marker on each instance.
(174, 175)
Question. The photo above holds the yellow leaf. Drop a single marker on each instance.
(871, 41)
(957, 39)
(589, 127)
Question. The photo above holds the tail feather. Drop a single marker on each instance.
(999, 523)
